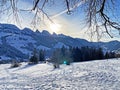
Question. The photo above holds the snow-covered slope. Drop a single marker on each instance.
(16, 43)
(20, 42)
(43, 47)
(95, 75)
(59, 45)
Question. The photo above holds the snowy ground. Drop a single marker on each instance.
(95, 75)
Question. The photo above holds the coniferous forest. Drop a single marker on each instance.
(65, 55)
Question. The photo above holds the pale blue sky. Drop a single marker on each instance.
(72, 25)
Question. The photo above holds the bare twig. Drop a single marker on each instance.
(35, 5)
(96, 13)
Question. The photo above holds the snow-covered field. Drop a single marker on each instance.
(94, 75)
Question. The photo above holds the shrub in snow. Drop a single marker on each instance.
(56, 65)
(15, 64)
(117, 55)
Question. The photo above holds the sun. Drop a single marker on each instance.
(55, 27)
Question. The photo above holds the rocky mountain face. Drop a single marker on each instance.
(19, 44)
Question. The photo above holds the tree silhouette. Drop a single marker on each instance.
(34, 58)
(41, 55)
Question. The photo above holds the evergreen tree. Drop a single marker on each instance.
(77, 55)
(66, 58)
(63, 49)
(34, 58)
(111, 55)
(86, 54)
(41, 55)
(55, 59)
(100, 53)
(62, 56)
(106, 55)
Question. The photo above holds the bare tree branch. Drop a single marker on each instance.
(68, 7)
(35, 5)
(95, 10)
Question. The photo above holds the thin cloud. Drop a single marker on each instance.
(75, 6)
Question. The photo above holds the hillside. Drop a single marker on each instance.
(13, 40)
(94, 75)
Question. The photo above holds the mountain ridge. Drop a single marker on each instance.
(13, 39)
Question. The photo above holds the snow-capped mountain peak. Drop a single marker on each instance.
(45, 33)
(13, 40)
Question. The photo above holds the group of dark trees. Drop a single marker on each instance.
(66, 56)
(90, 53)
(61, 56)
(37, 56)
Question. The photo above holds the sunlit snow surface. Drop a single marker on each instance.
(94, 75)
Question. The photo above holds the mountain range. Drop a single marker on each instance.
(19, 44)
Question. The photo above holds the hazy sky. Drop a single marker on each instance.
(72, 25)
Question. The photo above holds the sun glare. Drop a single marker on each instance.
(55, 27)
